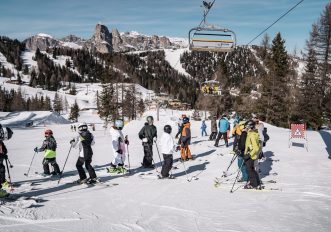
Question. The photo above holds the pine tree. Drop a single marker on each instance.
(107, 103)
(57, 103)
(74, 112)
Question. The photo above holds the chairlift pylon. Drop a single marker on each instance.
(212, 38)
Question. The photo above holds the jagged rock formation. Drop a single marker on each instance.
(73, 39)
(101, 41)
(41, 41)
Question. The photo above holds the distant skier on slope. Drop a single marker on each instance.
(118, 146)
(84, 141)
(49, 146)
(203, 128)
(168, 147)
(147, 135)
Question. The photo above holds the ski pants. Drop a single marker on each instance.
(219, 136)
(119, 159)
(243, 168)
(253, 176)
(88, 166)
(52, 161)
(203, 131)
(213, 136)
(2, 173)
(148, 155)
(167, 164)
(185, 152)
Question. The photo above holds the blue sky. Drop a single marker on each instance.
(23, 18)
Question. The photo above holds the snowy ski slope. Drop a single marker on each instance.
(302, 202)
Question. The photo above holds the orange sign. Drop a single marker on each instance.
(298, 131)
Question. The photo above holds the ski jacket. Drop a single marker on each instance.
(242, 142)
(260, 127)
(149, 132)
(49, 146)
(223, 125)
(117, 141)
(167, 144)
(3, 150)
(203, 126)
(237, 129)
(213, 125)
(84, 141)
(252, 146)
(186, 134)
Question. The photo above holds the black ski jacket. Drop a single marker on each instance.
(149, 132)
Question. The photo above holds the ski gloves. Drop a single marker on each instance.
(72, 141)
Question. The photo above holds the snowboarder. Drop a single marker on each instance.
(185, 140)
(118, 145)
(213, 127)
(252, 147)
(49, 146)
(203, 128)
(84, 141)
(147, 135)
(223, 126)
(168, 147)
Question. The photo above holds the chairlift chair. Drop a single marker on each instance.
(210, 88)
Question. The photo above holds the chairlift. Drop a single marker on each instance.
(211, 88)
(212, 38)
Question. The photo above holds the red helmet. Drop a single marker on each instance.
(48, 132)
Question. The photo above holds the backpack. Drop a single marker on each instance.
(51, 145)
(265, 135)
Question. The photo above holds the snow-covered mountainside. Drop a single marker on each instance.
(299, 202)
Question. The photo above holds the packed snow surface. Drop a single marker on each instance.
(300, 203)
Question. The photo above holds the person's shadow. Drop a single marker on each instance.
(326, 136)
(266, 166)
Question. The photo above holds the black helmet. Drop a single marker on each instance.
(186, 120)
(250, 124)
(150, 119)
(167, 129)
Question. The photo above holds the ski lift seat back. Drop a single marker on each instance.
(212, 39)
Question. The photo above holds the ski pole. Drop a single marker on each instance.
(10, 165)
(64, 164)
(157, 148)
(10, 183)
(231, 191)
(187, 178)
(26, 174)
(127, 148)
(231, 162)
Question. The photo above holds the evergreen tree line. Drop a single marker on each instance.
(12, 50)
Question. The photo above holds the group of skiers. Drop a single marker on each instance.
(248, 142)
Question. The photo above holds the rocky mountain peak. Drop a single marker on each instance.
(101, 41)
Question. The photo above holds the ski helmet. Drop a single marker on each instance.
(82, 126)
(167, 129)
(119, 124)
(150, 119)
(186, 120)
(48, 132)
(250, 124)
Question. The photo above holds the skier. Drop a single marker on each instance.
(49, 146)
(240, 150)
(260, 128)
(213, 128)
(84, 141)
(5, 134)
(168, 146)
(223, 126)
(118, 146)
(147, 134)
(3, 182)
(203, 128)
(252, 147)
(236, 132)
(180, 126)
(185, 140)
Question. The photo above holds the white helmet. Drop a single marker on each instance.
(119, 124)
(82, 126)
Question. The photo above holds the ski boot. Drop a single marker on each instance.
(3, 193)
(5, 185)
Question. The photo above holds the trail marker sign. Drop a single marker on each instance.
(298, 131)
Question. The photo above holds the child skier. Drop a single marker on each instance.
(118, 145)
(84, 140)
(147, 135)
(168, 146)
(185, 140)
(49, 146)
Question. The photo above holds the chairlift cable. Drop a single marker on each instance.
(275, 22)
